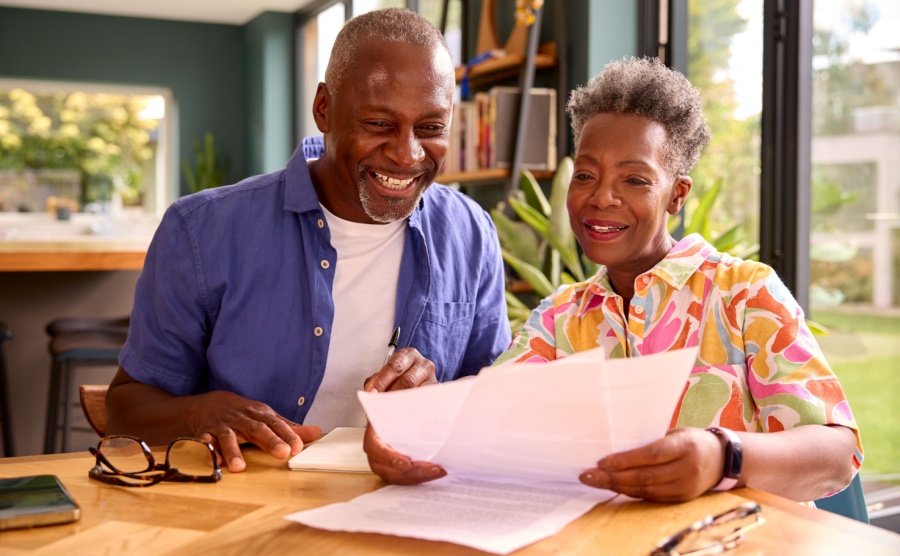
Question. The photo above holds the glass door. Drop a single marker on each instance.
(855, 224)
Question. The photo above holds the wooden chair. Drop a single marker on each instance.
(93, 403)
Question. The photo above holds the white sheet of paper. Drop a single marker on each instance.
(487, 514)
(539, 420)
(533, 426)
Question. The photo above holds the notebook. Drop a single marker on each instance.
(339, 450)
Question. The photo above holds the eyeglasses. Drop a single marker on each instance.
(712, 534)
(127, 461)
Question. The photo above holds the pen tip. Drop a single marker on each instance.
(396, 336)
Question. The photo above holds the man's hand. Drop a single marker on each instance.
(405, 369)
(395, 468)
(680, 467)
(227, 420)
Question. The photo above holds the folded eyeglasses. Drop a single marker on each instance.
(713, 534)
(127, 461)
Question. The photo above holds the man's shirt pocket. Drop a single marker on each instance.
(445, 325)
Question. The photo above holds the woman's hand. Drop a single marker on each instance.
(680, 467)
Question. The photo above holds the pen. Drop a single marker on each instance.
(392, 345)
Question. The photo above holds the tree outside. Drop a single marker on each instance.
(106, 140)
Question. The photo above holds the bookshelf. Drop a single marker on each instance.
(499, 69)
(524, 56)
(486, 176)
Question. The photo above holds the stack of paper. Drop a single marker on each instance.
(339, 450)
(514, 440)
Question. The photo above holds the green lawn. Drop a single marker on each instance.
(864, 351)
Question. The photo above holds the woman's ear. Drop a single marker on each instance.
(321, 108)
(680, 191)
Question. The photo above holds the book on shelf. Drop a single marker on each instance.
(539, 151)
(483, 131)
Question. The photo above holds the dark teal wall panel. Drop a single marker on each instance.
(202, 63)
(268, 57)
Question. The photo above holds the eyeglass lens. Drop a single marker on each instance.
(191, 457)
(126, 455)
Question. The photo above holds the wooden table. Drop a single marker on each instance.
(243, 514)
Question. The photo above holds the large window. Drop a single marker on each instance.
(851, 201)
(855, 224)
(725, 64)
(84, 146)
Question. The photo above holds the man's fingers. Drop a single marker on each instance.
(420, 372)
(405, 369)
(307, 433)
(395, 367)
(231, 451)
(394, 467)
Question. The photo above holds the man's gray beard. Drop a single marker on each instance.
(397, 209)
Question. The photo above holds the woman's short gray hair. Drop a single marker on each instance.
(389, 24)
(646, 87)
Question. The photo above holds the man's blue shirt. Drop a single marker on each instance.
(236, 291)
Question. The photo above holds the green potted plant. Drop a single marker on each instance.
(209, 171)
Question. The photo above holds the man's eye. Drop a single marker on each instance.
(432, 129)
(378, 125)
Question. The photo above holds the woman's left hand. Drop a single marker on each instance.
(680, 467)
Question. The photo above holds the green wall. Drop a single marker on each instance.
(235, 80)
(599, 31)
(201, 63)
(268, 57)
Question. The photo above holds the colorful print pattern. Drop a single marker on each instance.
(759, 367)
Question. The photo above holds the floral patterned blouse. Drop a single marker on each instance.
(758, 369)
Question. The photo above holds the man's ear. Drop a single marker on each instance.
(322, 108)
(679, 193)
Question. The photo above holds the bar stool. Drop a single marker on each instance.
(5, 421)
(76, 342)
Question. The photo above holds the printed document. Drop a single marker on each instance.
(513, 440)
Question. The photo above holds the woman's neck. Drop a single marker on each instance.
(622, 279)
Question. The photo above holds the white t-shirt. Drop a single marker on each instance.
(365, 296)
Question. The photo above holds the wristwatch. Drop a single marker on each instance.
(734, 457)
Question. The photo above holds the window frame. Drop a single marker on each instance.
(786, 123)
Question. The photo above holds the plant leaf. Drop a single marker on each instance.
(529, 273)
(538, 222)
(817, 329)
(534, 195)
(729, 238)
(517, 238)
(699, 222)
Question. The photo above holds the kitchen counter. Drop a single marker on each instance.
(87, 242)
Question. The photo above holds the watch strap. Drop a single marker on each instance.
(734, 457)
